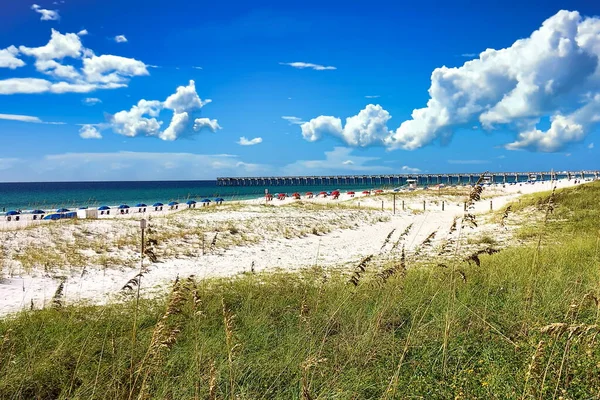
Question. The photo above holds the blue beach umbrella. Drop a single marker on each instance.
(205, 200)
(38, 212)
(157, 205)
(62, 210)
(123, 206)
(189, 202)
(141, 205)
(52, 216)
(173, 203)
(83, 208)
(102, 208)
(12, 212)
(219, 199)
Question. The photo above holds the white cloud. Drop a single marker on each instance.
(468, 55)
(293, 120)
(553, 73)
(46, 15)
(372, 97)
(210, 124)
(54, 60)
(8, 58)
(410, 170)
(339, 160)
(82, 32)
(90, 132)
(120, 39)
(366, 128)
(303, 65)
(197, 67)
(249, 142)
(27, 118)
(90, 101)
(591, 146)
(142, 119)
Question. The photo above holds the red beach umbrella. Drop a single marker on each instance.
(379, 191)
(309, 193)
(366, 192)
(323, 193)
(350, 193)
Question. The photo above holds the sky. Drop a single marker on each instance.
(148, 90)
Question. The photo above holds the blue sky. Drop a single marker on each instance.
(114, 90)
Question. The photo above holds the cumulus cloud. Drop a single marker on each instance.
(46, 15)
(303, 65)
(410, 170)
(82, 32)
(90, 132)
(142, 118)
(372, 97)
(120, 39)
(249, 142)
(56, 60)
(552, 73)
(27, 118)
(9, 59)
(366, 128)
(591, 146)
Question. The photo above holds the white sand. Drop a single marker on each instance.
(18, 290)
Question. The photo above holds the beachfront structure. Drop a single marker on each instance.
(402, 179)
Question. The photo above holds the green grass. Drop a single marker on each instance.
(437, 332)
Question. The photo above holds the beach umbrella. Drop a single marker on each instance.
(366, 192)
(141, 205)
(351, 192)
(189, 202)
(335, 192)
(38, 212)
(205, 201)
(309, 193)
(123, 206)
(102, 208)
(13, 213)
(83, 208)
(323, 193)
(62, 210)
(173, 203)
(379, 191)
(219, 199)
(157, 205)
(52, 216)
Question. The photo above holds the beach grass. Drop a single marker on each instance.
(521, 323)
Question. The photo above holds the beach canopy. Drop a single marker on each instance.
(309, 193)
(12, 212)
(61, 210)
(102, 208)
(205, 200)
(295, 194)
(351, 193)
(123, 206)
(83, 208)
(219, 199)
(366, 192)
(379, 191)
(335, 192)
(173, 203)
(53, 216)
(325, 193)
(38, 212)
(157, 205)
(141, 205)
(191, 202)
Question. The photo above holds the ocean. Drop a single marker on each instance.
(50, 195)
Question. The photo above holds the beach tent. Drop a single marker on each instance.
(124, 208)
(141, 207)
(62, 210)
(158, 206)
(52, 216)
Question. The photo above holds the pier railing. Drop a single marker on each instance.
(403, 179)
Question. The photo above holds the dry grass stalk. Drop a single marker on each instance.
(306, 366)
(387, 238)
(505, 216)
(393, 270)
(228, 319)
(360, 268)
(474, 196)
(428, 239)
(212, 382)
(213, 243)
(402, 236)
(59, 294)
(533, 365)
(475, 256)
(453, 226)
(557, 329)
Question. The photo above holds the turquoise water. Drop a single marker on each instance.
(50, 195)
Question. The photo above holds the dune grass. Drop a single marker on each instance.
(521, 325)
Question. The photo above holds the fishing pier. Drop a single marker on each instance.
(404, 179)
